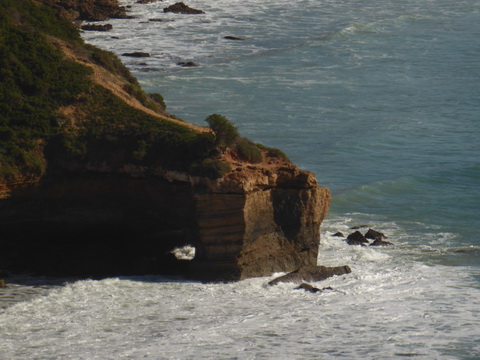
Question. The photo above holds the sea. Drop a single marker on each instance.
(380, 99)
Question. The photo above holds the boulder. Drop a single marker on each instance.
(380, 242)
(312, 273)
(356, 238)
(181, 8)
(338, 234)
(374, 235)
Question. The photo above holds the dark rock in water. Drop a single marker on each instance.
(308, 287)
(95, 27)
(338, 234)
(380, 242)
(312, 273)
(187, 64)
(356, 238)
(359, 227)
(228, 37)
(160, 20)
(137, 54)
(2, 284)
(181, 8)
(146, 1)
(374, 235)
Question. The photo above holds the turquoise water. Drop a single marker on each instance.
(381, 100)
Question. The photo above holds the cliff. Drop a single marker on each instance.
(97, 179)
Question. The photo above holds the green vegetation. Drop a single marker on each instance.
(248, 151)
(212, 168)
(226, 135)
(274, 152)
(36, 81)
(225, 132)
(51, 112)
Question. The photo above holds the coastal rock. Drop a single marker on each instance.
(312, 273)
(380, 242)
(137, 54)
(95, 27)
(338, 234)
(308, 287)
(187, 64)
(146, 1)
(2, 284)
(374, 235)
(356, 238)
(240, 226)
(229, 37)
(181, 8)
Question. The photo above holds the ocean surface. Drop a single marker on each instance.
(381, 100)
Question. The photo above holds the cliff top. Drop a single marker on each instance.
(69, 106)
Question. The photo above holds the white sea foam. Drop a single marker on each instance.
(387, 307)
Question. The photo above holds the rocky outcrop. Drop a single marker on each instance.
(357, 238)
(311, 273)
(181, 8)
(254, 221)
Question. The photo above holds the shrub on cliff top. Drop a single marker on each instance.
(248, 151)
(225, 131)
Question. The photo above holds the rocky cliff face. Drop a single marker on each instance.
(257, 220)
(108, 187)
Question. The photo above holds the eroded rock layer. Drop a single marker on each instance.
(99, 224)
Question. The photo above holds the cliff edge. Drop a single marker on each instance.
(97, 179)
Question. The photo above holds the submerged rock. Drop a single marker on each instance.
(187, 64)
(312, 273)
(137, 54)
(308, 287)
(338, 234)
(228, 37)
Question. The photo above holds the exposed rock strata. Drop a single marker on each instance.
(252, 222)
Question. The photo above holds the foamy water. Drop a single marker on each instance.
(390, 306)
(380, 99)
